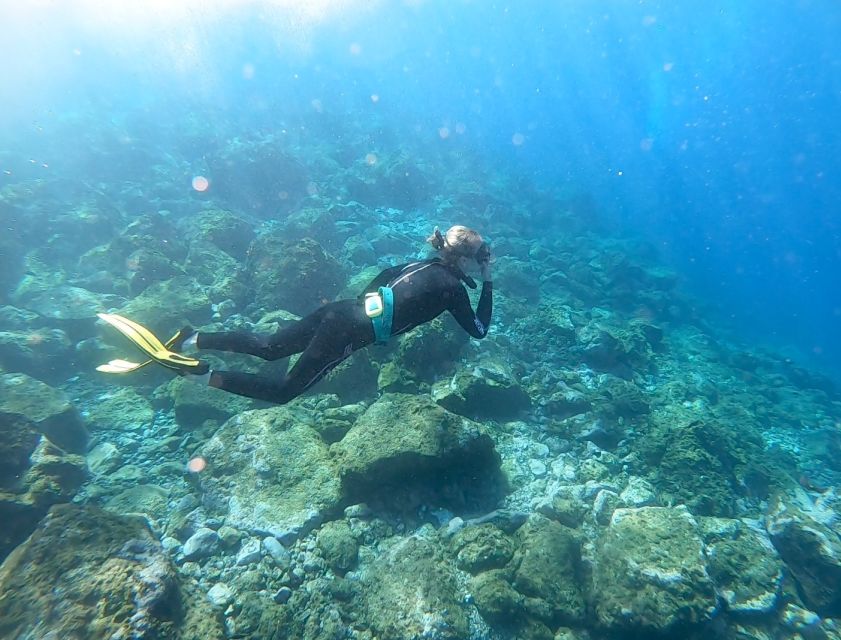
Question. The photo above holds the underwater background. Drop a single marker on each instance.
(647, 443)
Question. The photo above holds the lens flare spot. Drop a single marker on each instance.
(200, 183)
(197, 465)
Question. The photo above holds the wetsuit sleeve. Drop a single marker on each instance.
(382, 279)
(476, 324)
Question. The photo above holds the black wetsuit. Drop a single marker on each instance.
(422, 291)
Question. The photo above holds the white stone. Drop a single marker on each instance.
(220, 595)
(203, 543)
(537, 468)
(638, 493)
(277, 551)
(103, 458)
(249, 553)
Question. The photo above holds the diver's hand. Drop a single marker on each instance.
(483, 259)
(485, 268)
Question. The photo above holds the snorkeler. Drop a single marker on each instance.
(396, 301)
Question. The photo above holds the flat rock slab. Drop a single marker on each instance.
(273, 472)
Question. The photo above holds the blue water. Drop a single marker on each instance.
(700, 137)
(710, 131)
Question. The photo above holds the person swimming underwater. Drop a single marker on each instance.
(396, 301)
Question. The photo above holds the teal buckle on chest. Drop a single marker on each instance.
(379, 307)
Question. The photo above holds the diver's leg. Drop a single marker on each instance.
(333, 342)
(283, 343)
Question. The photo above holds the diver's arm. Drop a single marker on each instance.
(476, 324)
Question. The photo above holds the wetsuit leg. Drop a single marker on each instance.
(283, 343)
(342, 330)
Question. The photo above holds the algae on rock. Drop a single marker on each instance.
(88, 573)
(272, 472)
(649, 574)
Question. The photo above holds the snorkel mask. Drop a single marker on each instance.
(483, 253)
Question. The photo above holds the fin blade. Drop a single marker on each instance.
(144, 339)
(121, 366)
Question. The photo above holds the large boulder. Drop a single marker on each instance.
(272, 473)
(743, 564)
(296, 276)
(87, 573)
(34, 475)
(43, 352)
(122, 410)
(408, 443)
(47, 408)
(411, 591)
(649, 574)
(166, 306)
(546, 572)
(487, 391)
(812, 552)
(227, 231)
(195, 404)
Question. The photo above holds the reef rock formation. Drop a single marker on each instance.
(405, 442)
(649, 573)
(87, 573)
(272, 472)
(49, 410)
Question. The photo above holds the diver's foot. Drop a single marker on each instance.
(184, 340)
(203, 378)
(193, 369)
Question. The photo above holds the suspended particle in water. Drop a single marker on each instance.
(200, 183)
(668, 66)
(355, 49)
(646, 144)
(518, 139)
(248, 71)
(197, 465)
(444, 133)
(460, 128)
(312, 189)
(375, 98)
(371, 159)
